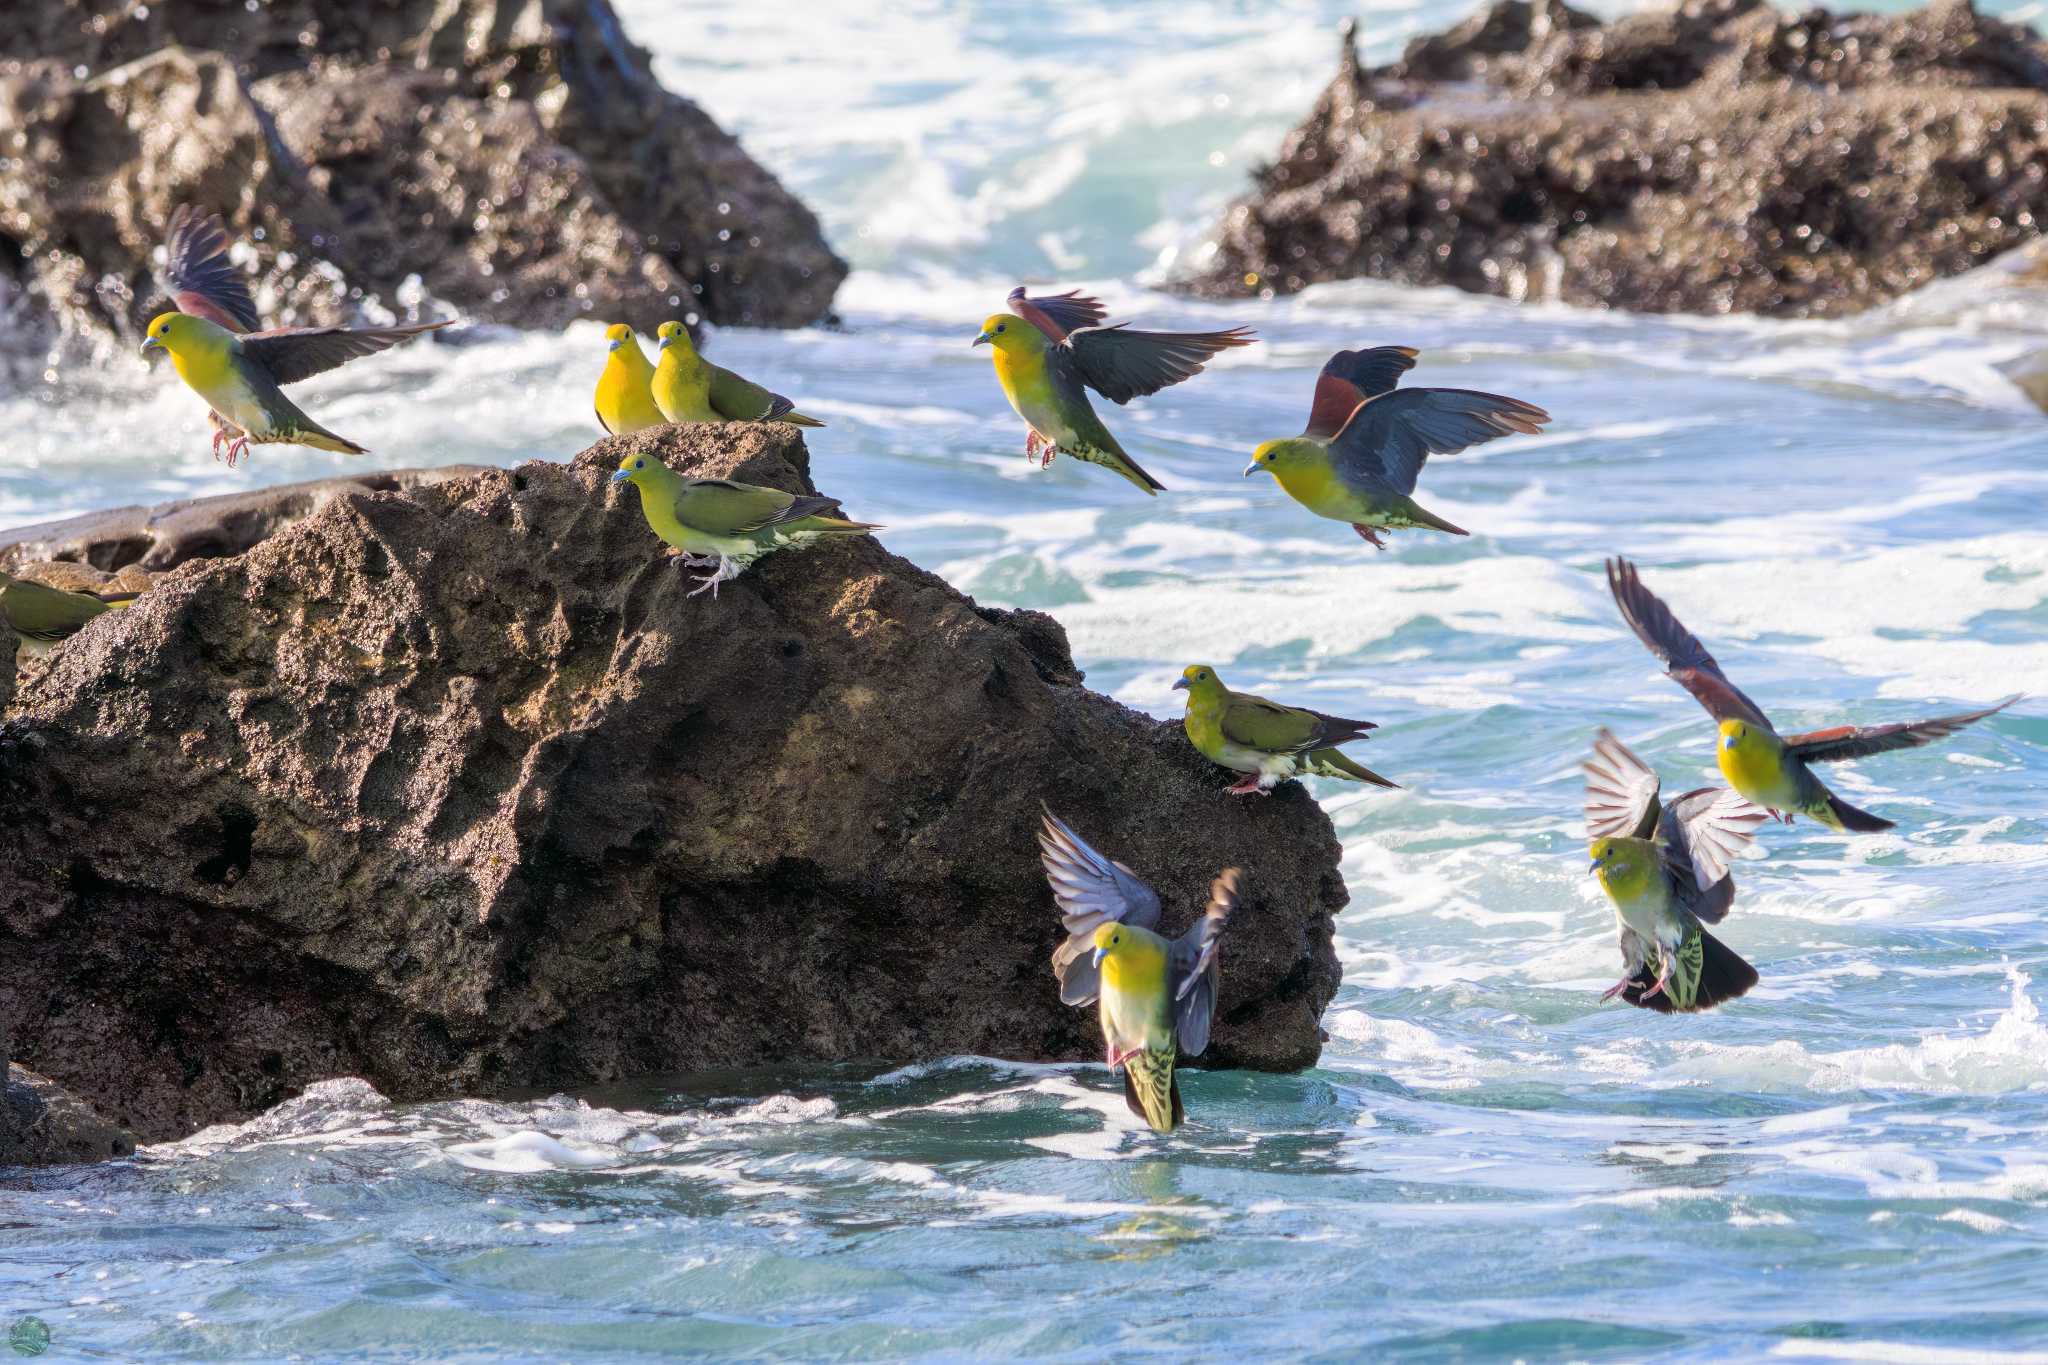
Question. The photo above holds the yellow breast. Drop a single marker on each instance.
(1757, 770)
(623, 400)
(682, 388)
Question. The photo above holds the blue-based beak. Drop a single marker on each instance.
(151, 344)
(1728, 741)
(1594, 868)
(1099, 955)
(613, 346)
(1181, 685)
(665, 341)
(620, 476)
(984, 337)
(1251, 469)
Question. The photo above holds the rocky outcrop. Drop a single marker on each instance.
(43, 1124)
(515, 160)
(162, 537)
(1723, 157)
(456, 789)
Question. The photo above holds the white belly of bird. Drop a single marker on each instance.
(235, 402)
(1271, 768)
(1046, 421)
(744, 550)
(1651, 916)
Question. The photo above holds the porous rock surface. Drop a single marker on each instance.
(1726, 156)
(455, 788)
(515, 161)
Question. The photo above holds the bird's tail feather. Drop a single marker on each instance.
(322, 439)
(1707, 973)
(797, 419)
(840, 526)
(1152, 1091)
(1343, 763)
(1723, 973)
(1135, 472)
(1847, 817)
(1427, 518)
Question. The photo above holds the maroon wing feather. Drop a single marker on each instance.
(1685, 659)
(198, 275)
(1057, 314)
(1348, 379)
(1843, 742)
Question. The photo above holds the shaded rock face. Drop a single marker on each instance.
(43, 1124)
(517, 156)
(1722, 157)
(456, 789)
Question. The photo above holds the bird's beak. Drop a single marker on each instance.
(614, 345)
(984, 337)
(620, 476)
(664, 343)
(151, 344)
(1594, 868)
(1181, 685)
(1099, 955)
(1251, 469)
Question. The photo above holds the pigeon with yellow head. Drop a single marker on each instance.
(1768, 768)
(1665, 867)
(240, 371)
(1358, 459)
(1049, 351)
(689, 388)
(1154, 996)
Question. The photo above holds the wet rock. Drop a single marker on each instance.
(1720, 157)
(457, 790)
(43, 1124)
(516, 161)
(153, 539)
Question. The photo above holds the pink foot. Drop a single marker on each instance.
(1657, 989)
(236, 449)
(1616, 989)
(1247, 787)
(1369, 536)
(1117, 1059)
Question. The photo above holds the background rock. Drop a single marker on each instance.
(43, 1124)
(456, 789)
(1722, 157)
(516, 156)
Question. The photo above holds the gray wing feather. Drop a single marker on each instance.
(290, 354)
(1700, 834)
(1192, 966)
(1121, 364)
(1388, 437)
(1091, 891)
(1621, 791)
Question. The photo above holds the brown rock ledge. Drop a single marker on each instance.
(453, 788)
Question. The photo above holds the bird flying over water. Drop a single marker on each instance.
(1770, 769)
(1154, 996)
(1366, 441)
(1665, 867)
(722, 526)
(1265, 740)
(213, 343)
(42, 615)
(625, 401)
(688, 388)
(1048, 352)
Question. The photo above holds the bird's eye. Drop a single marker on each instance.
(639, 464)
(1002, 326)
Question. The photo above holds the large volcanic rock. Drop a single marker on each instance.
(456, 789)
(1723, 157)
(515, 159)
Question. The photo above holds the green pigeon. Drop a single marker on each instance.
(1154, 996)
(1266, 741)
(1768, 768)
(1366, 441)
(42, 615)
(723, 526)
(688, 388)
(1048, 352)
(1666, 870)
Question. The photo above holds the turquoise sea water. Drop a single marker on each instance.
(1849, 1164)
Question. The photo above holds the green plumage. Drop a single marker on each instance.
(44, 615)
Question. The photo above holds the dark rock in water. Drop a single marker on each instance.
(157, 538)
(519, 159)
(43, 1124)
(457, 790)
(1722, 157)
